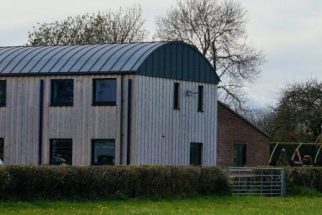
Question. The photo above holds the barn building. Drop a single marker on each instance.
(136, 103)
(240, 143)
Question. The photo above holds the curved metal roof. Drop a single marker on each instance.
(101, 58)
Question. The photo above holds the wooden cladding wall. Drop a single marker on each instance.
(81, 122)
(163, 135)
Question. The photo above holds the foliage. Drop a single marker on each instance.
(298, 115)
(308, 177)
(104, 27)
(218, 29)
(109, 181)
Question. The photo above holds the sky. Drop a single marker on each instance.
(289, 32)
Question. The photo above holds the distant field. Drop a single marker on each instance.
(206, 205)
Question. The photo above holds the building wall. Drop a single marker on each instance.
(163, 135)
(232, 129)
(20, 119)
(159, 134)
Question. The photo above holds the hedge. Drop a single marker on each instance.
(50, 182)
(310, 177)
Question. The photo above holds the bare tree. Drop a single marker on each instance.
(104, 27)
(218, 29)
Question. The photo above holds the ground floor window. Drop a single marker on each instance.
(61, 151)
(195, 154)
(239, 154)
(103, 152)
(1, 150)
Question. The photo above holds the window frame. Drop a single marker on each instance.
(97, 103)
(200, 154)
(51, 149)
(200, 98)
(93, 150)
(57, 104)
(176, 96)
(4, 103)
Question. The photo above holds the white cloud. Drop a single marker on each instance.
(289, 32)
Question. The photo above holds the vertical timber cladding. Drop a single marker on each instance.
(21, 117)
(164, 134)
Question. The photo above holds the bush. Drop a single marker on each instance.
(50, 182)
(308, 177)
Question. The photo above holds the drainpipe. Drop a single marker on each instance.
(40, 123)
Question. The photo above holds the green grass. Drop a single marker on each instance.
(204, 205)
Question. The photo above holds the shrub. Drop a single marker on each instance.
(309, 177)
(50, 182)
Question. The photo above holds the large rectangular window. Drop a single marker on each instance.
(176, 98)
(104, 92)
(62, 92)
(61, 151)
(200, 98)
(1, 150)
(239, 154)
(195, 154)
(3, 92)
(103, 152)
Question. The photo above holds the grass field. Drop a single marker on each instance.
(205, 205)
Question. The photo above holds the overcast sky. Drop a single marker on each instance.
(288, 31)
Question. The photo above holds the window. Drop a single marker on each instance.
(62, 92)
(195, 154)
(3, 89)
(1, 150)
(103, 152)
(61, 151)
(200, 98)
(104, 92)
(176, 96)
(239, 154)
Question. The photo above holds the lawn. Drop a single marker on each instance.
(205, 205)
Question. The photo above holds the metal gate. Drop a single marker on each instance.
(257, 181)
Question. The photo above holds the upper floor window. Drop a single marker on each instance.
(200, 98)
(104, 92)
(3, 89)
(176, 104)
(62, 92)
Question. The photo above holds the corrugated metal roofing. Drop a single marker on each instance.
(166, 59)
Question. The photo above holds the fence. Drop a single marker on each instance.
(257, 181)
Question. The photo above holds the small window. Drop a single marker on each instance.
(104, 92)
(3, 89)
(195, 154)
(239, 154)
(176, 104)
(1, 151)
(200, 98)
(61, 151)
(62, 92)
(103, 152)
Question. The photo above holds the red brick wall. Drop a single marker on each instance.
(233, 129)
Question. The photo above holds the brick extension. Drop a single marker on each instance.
(233, 128)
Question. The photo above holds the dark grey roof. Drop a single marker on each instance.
(161, 59)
